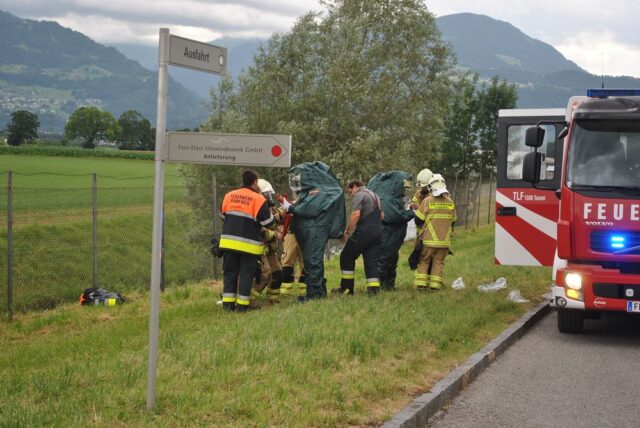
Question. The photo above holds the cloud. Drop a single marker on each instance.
(580, 29)
(115, 20)
(598, 52)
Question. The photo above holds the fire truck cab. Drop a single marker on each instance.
(568, 196)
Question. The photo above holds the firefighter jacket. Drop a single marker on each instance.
(245, 214)
(436, 216)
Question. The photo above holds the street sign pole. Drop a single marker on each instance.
(154, 310)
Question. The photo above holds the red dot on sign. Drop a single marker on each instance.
(276, 150)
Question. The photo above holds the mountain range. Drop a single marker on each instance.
(51, 70)
(543, 76)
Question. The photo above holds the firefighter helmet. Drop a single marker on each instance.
(265, 186)
(267, 191)
(437, 185)
(423, 177)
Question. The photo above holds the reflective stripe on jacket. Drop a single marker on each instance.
(438, 214)
(245, 213)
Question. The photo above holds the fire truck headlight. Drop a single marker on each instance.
(573, 280)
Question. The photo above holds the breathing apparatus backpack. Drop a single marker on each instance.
(100, 296)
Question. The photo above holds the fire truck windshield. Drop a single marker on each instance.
(604, 154)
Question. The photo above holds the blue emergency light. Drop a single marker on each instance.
(617, 241)
(604, 93)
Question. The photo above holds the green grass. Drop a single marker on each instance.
(53, 262)
(337, 362)
(56, 185)
(72, 172)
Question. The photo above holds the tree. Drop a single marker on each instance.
(362, 87)
(499, 94)
(460, 137)
(23, 128)
(90, 124)
(135, 132)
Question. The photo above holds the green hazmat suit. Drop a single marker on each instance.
(389, 186)
(319, 213)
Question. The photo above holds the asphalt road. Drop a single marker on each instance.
(549, 379)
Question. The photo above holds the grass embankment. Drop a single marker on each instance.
(343, 361)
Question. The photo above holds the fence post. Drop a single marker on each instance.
(466, 201)
(490, 186)
(94, 208)
(479, 199)
(215, 221)
(10, 244)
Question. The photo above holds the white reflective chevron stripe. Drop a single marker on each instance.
(510, 252)
(541, 223)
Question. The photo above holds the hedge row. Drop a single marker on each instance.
(76, 152)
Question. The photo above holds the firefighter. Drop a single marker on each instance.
(363, 236)
(422, 182)
(390, 187)
(318, 214)
(246, 214)
(270, 267)
(292, 255)
(436, 216)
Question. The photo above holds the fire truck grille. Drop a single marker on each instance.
(623, 242)
(616, 291)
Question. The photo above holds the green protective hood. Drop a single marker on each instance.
(389, 186)
(321, 198)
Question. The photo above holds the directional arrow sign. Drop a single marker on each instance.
(230, 149)
(197, 55)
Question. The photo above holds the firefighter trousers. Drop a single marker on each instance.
(270, 276)
(367, 245)
(292, 255)
(393, 235)
(238, 272)
(434, 257)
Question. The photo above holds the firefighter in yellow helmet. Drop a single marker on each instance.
(435, 215)
(422, 183)
(270, 268)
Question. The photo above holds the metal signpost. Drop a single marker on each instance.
(194, 147)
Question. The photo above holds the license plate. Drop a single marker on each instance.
(633, 306)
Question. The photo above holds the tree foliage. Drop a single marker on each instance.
(90, 124)
(362, 87)
(471, 126)
(135, 132)
(499, 94)
(23, 128)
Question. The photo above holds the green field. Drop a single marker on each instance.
(343, 361)
(71, 172)
(52, 228)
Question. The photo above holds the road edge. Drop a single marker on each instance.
(423, 408)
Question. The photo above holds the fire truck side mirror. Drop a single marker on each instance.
(531, 166)
(534, 137)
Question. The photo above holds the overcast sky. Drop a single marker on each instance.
(592, 33)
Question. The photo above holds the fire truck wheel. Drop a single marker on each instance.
(570, 321)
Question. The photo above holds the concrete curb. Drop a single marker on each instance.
(418, 413)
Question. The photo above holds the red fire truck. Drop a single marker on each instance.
(568, 196)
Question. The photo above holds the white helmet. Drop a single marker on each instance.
(267, 191)
(437, 185)
(423, 177)
(265, 186)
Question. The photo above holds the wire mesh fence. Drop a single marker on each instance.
(56, 242)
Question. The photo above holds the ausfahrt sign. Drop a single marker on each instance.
(230, 149)
(197, 55)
